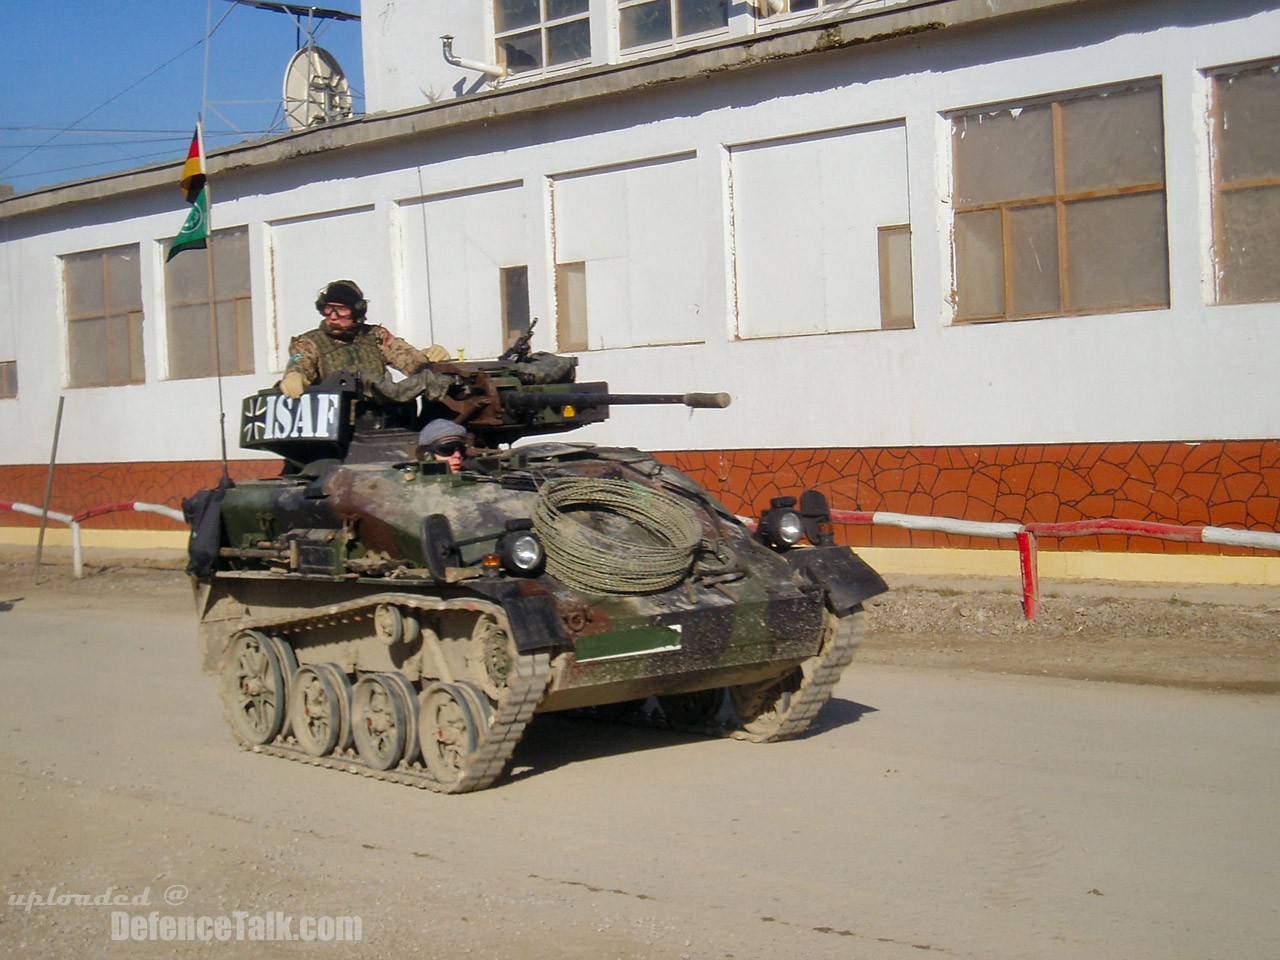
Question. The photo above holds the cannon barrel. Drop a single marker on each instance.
(527, 400)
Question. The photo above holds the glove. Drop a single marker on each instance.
(292, 384)
(436, 354)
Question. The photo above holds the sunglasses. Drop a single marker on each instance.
(447, 448)
(337, 310)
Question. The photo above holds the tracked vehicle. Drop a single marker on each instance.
(371, 611)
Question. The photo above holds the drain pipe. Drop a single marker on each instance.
(491, 70)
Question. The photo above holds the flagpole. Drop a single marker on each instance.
(211, 274)
(211, 277)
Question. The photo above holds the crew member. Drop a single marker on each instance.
(344, 342)
(445, 441)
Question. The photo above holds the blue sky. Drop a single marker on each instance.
(137, 66)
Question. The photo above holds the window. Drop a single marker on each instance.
(821, 241)
(628, 273)
(571, 306)
(1246, 183)
(792, 6)
(533, 34)
(644, 22)
(465, 254)
(515, 303)
(8, 379)
(1060, 207)
(104, 317)
(196, 348)
(896, 311)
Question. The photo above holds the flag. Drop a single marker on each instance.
(193, 175)
(194, 234)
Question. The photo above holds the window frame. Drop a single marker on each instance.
(236, 302)
(515, 310)
(676, 36)
(1060, 200)
(542, 25)
(1218, 187)
(135, 330)
(8, 379)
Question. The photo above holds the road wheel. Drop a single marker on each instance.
(253, 689)
(447, 730)
(377, 721)
(314, 712)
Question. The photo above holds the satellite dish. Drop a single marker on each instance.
(315, 89)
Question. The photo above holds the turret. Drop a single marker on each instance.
(519, 395)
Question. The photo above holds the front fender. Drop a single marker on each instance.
(846, 577)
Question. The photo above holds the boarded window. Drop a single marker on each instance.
(515, 303)
(533, 34)
(1246, 182)
(465, 254)
(896, 311)
(1060, 207)
(104, 317)
(820, 241)
(8, 379)
(645, 22)
(633, 274)
(571, 306)
(207, 333)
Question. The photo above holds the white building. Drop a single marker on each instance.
(1013, 260)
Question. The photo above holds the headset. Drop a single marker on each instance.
(358, 309)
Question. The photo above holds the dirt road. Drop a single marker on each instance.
(935, 810)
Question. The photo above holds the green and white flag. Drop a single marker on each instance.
(195, 231)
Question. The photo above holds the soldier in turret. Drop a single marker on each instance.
(445, 442)
(345, 343)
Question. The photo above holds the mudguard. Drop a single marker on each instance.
(845, 576)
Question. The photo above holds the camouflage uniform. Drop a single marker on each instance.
(315, 354)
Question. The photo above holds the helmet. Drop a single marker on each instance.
(345, 292)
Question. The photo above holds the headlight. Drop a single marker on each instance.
(789, 528)
(783, 528)
(521, 553)
(780, 526)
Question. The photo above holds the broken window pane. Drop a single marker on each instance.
(521, 51)
(568, 42)
(557, 9)
(1033, 260)
(514, 14)
(698, 16)
(1006, 155)
(645, 23)
(979, 265)
(553, 40)
(1118, 252)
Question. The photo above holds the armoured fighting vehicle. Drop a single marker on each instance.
(371, 611)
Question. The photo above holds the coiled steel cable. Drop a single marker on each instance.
(590, 560)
